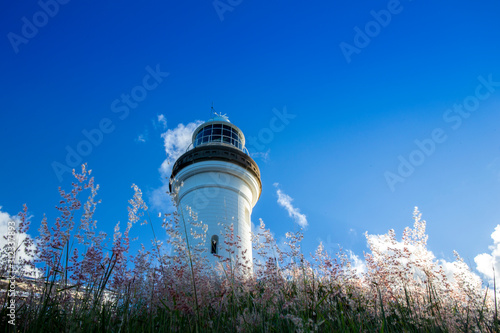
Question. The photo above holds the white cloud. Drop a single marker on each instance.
(5, 218)
(410, 254)
(141, 138)
(384, 244)
(419, 258)
(285, 201)
(357, 263)
(176, 142)
(162, 120)
(264, 156)
(19, 239)
(485, 262)
(449, 268)
(459, 268)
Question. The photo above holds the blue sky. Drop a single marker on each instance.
(361, 83)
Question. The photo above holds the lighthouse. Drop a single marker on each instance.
(217, 183)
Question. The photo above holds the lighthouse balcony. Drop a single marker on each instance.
(209, 152)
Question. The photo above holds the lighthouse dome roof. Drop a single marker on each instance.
(219, 117)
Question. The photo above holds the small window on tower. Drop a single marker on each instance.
(213, 244)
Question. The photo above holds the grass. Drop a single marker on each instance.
(88, 287)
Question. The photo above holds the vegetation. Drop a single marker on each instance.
(77, 280)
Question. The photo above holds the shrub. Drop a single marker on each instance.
(77, 279)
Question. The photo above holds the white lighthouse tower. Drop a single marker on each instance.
(220, 183)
